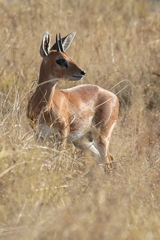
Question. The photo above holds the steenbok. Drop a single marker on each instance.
(84, 115)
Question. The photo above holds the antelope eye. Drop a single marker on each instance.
(60, 61)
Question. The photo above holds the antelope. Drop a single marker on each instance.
(84, 115)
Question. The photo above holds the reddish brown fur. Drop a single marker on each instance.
(76, 111)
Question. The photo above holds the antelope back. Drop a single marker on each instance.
(56, 62)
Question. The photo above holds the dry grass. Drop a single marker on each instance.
(44, 193)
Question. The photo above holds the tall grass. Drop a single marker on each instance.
(46, 193)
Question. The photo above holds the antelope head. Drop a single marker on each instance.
(56, 62)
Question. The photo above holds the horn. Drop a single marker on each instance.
(57, 43)
(60, 43)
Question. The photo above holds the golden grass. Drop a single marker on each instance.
(44, 193)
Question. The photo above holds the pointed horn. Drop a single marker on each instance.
(57, 43)
(60, 43)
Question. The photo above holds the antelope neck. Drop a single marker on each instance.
(45, 87)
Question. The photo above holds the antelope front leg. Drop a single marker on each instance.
(43, 132)
(106, 159)
(109, 162)
(64, 132)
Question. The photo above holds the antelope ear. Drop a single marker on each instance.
(45, 45)
(66, 42)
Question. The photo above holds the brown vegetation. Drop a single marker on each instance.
(44, 193)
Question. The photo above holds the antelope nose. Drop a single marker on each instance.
(83, 73)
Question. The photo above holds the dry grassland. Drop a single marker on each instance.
(44, 193)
